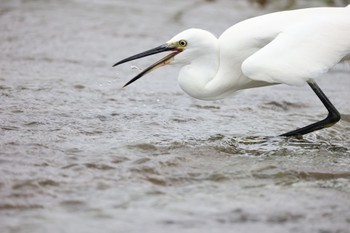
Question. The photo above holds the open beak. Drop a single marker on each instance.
(162, 62)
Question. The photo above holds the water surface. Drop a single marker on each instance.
(80, 154)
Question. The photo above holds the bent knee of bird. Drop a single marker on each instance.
(333, 118)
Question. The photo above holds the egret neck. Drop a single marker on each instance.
(194, 77)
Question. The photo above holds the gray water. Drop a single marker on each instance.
(80, 154)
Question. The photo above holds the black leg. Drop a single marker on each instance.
(332, 118)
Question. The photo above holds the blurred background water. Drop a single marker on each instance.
(80, 154)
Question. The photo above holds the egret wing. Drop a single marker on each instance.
(301, 52)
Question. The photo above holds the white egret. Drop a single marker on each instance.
(289, 47)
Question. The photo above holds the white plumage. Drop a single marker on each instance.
(285, 47)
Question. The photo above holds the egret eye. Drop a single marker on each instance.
(183, 43)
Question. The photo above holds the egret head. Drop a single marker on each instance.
(184, 47)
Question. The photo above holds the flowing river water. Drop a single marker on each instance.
(80, 154)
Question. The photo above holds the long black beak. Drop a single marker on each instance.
(164, 61)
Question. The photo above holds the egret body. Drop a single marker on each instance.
(289, 47)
